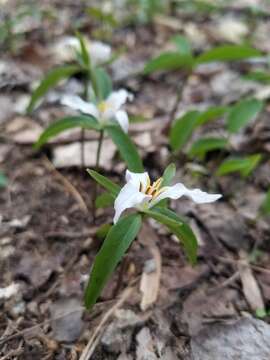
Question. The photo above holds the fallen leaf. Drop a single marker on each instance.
(70, 155)
(250, 286)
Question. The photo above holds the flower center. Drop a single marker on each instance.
(154, 189)
(103, 106)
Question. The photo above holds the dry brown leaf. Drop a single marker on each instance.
(250, 286)
(70, 155)
(150, 280)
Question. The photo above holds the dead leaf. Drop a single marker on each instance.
(70, 155)
(23, 130)
(150, 280)
(250, 286)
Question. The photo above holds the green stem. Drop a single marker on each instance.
(100, 141)
(85, 95)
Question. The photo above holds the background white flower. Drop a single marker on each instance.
(106, 110)
(141, 194)
(64, 50)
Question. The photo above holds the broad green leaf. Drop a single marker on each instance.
(204, 145)
(103, 83)
(228, 53)
(3, 180)
(168, 175)
(115, 245)
(242, 113)
(210, 114)
(127, 149)
(178, 227)
(169, 61)
(265, 207)
(104, 182)
(51, 80)
(182, 129)
(59, 126)
(104, 200)
(243, 165)
(182, 44)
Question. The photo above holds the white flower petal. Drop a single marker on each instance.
(128, 197)
(138, 179)
(99, 52)
(76, 103)
(121, 117)
(178, 190)
(118, 98)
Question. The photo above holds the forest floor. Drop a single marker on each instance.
(47, 237)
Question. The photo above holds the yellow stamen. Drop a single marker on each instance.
(153, 189)
(103, 106)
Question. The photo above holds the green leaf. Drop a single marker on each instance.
(169, 61)
(105, 182)
(103, 83)
(203, 146)
(102, 16)
(242, 113)
(104, 200)
(168, 175)
(258, 75)
(210, 114)
(228, 53)
(243, 165)
(265, 207)
(84, 55)
(182, 44)
(3, 180)
(115, 245)
(178, 227)
(127, 149)
(49, 81)
(182, 129)
(59, 126)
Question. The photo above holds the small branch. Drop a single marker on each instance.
(69, 187)
(93, 341)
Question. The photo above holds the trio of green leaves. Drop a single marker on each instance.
(101, 110)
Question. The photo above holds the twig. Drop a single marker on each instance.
(93, 341)
(22, 332)
(226, 283)
(232, 261)
(69, 187)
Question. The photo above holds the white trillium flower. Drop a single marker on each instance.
(64, 50)
(141, 194)
(106, 110)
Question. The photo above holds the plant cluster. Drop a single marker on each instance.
(101, 109)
